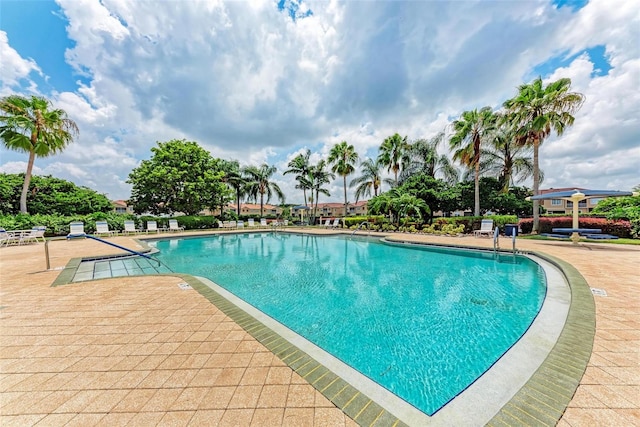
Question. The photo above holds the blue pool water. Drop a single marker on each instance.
(422, 322)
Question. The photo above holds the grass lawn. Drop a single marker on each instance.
(616, 241)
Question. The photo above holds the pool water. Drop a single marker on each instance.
(423, 322)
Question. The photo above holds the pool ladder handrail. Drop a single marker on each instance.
(496, 240)
(90, 236)
(359, 226)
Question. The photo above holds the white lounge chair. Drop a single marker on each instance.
(327, 223)
(240, 224)
(7, 239)
(173, 225)
(251, 223)
(129, 227)
(336, 223)
(152, 227)
(33, 236)
(486, 228)
(263, 222)
(76, 229)
(102, 228)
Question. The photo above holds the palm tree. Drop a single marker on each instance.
(369, 179)
(318, 177)
(30, 125)
(407, 204)
(471, 130)
(234, 179)
(258, 183)
(422, 157)
(343, 158)
(504, 159)
(538, 110)
(392, 151)
(300, 166)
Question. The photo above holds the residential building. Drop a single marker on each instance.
(336, 210)
(121, 207)
(563, 206)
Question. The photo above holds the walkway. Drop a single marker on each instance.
(146, 351)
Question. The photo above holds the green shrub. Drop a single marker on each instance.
(620, 228)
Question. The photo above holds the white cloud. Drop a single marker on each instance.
(249, 83)
(15, 69)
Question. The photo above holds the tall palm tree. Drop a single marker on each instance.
(370, 178)
(343, 158)
(32, 126)
(504, 159)
(234, 179)
(258, 183)
(318, 177)
(536, 112)
(300, 166)
(471, 130)
(392, 151)
(422, 157)
(406, 204)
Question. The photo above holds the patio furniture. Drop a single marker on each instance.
(129, 227)
(486, 228)
(102, 228)
(76, 229)
(173, 225)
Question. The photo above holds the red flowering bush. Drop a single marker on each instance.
(620, 228)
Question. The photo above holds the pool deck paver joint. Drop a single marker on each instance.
(74, 350)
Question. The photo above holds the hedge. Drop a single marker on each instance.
(620, 228)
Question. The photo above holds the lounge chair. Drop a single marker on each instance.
(173, 225)
(76, 229)
(263, 222)
(232, 224)
(251, 223)
(486, 228)
(7, 239)
(336, 223)
(129, 227)
(152, 227)
(102, 228)
(240, 224)
(33, 236)
(327, 223)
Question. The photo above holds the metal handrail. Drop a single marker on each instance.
(358, 227)
(496, 239)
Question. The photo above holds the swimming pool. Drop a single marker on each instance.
(422, 322)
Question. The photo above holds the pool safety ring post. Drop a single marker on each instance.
(576, 198)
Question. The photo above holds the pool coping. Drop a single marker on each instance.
(542, 400)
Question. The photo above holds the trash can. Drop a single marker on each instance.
(508, 229)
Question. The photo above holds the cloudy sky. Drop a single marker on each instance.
(261, 80)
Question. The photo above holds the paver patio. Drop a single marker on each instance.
(143, 351)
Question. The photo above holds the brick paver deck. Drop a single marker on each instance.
(143, 351)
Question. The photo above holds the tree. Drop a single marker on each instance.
(32, 126)
(435, 193)
(181, 176)
(49, 195)
(392, 151)
(343, 158)
(300, 166)
(318, 177)
(422, 157)
(407, 204)
(258, 183)
(234, 179)
(506, 160)
(369, 179)
(536, 112)
(470, 131)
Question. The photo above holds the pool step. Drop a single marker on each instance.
(117, 267)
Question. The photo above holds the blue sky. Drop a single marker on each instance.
(260, 81)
